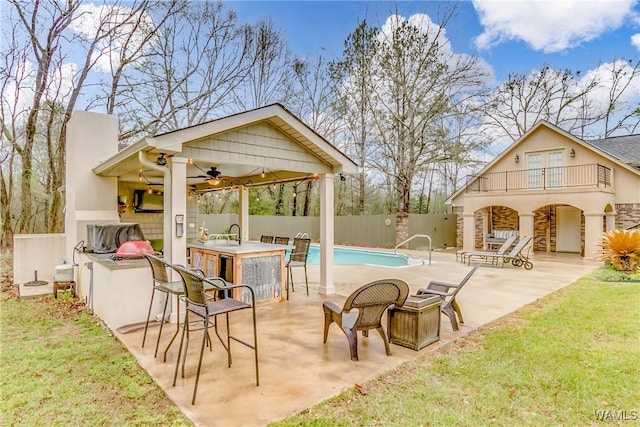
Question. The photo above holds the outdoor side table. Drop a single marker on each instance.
(416, 324)
(64, 286)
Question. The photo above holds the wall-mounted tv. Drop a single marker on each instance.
(145, 201)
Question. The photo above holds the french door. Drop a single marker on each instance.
(545, 169)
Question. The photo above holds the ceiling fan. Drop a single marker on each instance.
(213, 176)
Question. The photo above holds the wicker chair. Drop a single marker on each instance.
(266, 239)
(199, 311)
(161, 283)
(298, 258)
(370, 302)
(447, 293)
(281, 240)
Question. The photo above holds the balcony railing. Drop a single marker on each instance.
(593, 175)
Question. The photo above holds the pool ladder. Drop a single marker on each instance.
(413, 237)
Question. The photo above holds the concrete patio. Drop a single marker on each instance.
(297, 370)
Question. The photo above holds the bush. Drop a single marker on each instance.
(622, 249)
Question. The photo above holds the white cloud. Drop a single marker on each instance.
(549, 26)
(635, 41)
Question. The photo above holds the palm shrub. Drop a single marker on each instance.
(622, 249)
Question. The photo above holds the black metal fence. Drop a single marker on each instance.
(592, 175)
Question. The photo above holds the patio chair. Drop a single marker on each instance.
(298, 258)
(161, 283)
(363, 311)
(200, 309)
(462, 254)
(266, 239)
(281, 240)
(447, 293)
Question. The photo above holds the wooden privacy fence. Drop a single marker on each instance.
(366, 230)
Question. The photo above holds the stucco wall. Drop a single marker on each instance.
(41, 252)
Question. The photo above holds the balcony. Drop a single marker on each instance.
(592, 175)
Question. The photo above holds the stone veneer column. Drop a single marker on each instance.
(402, 227)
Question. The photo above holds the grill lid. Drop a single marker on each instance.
(134, 249)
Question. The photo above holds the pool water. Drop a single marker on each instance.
(349, 256)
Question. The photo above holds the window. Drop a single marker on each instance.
(545, 169)
(556, 169)
(534, 165)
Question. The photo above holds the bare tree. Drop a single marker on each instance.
(597, 104)
(267, 79)
(623, 111)
(310, 97)
(419, 80)
(352, 75)
(59, 44)
(195, 64)
(548, 94)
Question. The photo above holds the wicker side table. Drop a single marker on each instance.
(416, 324)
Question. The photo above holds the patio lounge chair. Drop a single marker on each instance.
(462, 254)
(298, 258)
(516, 255)
(199, 308)
(447, 293)
(363, 311)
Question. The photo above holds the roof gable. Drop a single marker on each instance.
(542, 126)
(275, 116)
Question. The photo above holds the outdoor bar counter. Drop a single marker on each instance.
(259, 265)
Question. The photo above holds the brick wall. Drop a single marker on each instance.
(478, 217)
(628, 215)
(504, 218)
(459, 225)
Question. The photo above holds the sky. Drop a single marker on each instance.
(514, 36)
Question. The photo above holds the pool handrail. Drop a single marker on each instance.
(413, 237)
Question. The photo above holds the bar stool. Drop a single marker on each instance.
(162, 283)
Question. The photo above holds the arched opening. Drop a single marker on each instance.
(558, 228)
(494, 218)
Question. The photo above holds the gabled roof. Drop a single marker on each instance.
(624, 148)
(276, 114)
(624, 145)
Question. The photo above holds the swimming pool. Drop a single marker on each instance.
(351, 256)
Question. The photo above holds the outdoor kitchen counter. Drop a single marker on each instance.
(119, 292)
(106, 261)
(259, 265)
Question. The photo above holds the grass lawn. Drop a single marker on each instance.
(569, 359)
(59, 367)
